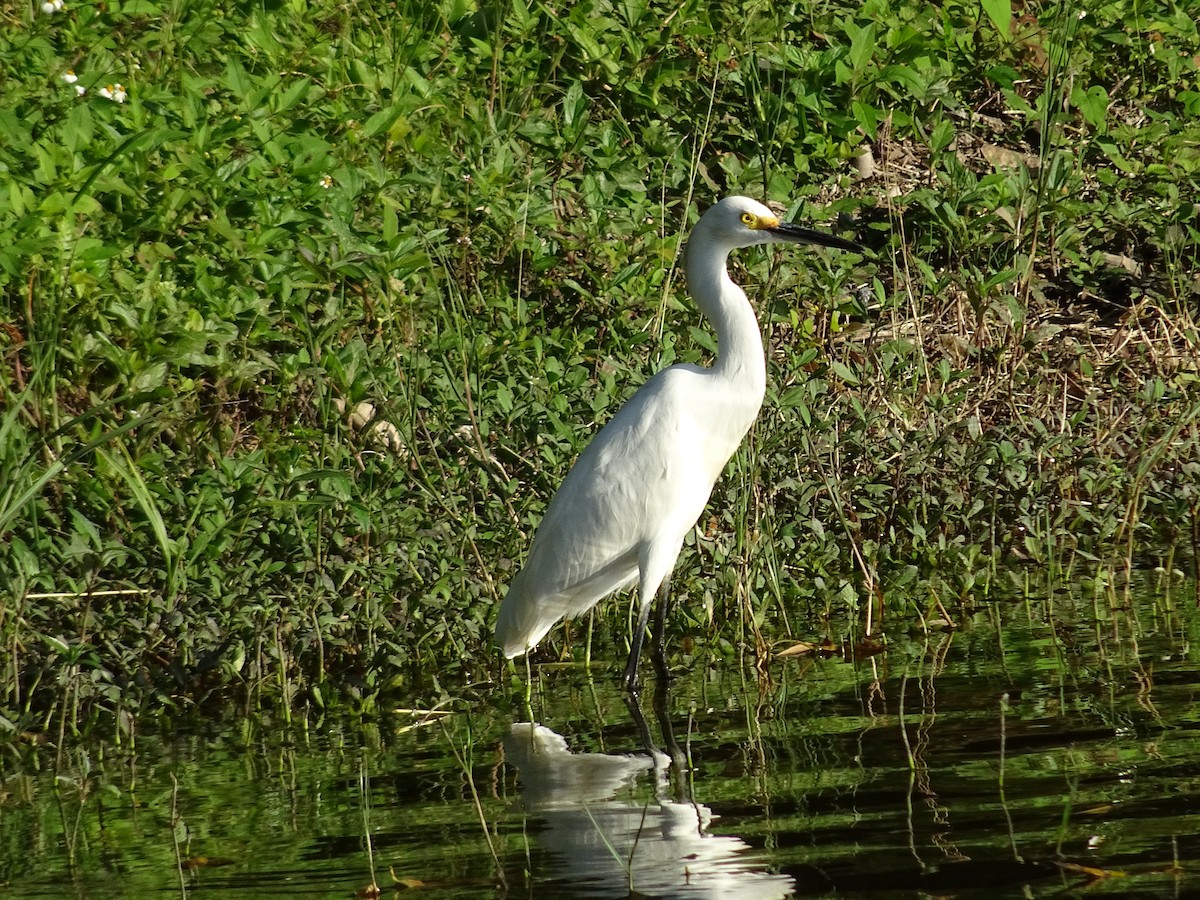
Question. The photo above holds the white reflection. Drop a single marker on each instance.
(618, 848)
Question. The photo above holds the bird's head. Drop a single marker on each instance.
(742, 222)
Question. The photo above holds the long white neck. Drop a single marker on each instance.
(740, 360)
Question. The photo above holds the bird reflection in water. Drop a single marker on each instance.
(599, 845)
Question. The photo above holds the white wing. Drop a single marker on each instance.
(634, 493)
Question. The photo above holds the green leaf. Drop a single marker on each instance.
(124, 466)
(57, 644)
(1000, 12)
(942, 136)
(391, 224)
(867, 117)
(862, 46)
(133, 8)
(292, 95)
(575, 107)
(236, 78)
(905, 78)
(381, 121)
(844, 372)
(1093, 104)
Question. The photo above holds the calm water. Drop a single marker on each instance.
(1009, 758)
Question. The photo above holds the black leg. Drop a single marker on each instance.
(635, 650)
(660, 631)
(679, 761)
(634, 704)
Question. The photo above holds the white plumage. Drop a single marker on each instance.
(623, 510)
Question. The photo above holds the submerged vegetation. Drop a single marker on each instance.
(305, 309)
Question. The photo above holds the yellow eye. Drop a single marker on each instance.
(749, 219)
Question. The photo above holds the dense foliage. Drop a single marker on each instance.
(223, 228)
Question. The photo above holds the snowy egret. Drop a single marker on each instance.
(627, 504)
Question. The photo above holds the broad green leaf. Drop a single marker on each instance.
(844, 372)
(1093, 104)
(1000, 12)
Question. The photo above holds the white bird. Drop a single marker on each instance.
(627, 504)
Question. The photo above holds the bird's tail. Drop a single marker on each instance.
(520, 624)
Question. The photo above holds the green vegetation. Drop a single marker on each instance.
(466, 214)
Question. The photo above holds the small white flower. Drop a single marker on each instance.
(69, 76)
(326, 182)
(49, 8)
(80, 90)
(114, 92)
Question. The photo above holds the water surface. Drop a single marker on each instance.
(1040, 748)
